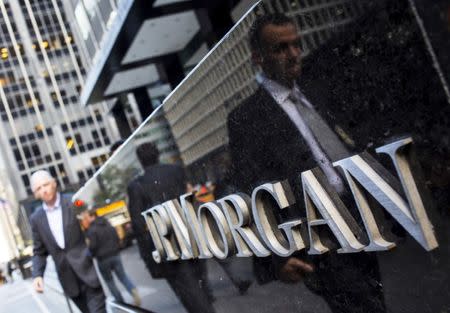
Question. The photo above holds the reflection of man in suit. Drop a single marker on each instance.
(279, 114)
(56, 231)
(159, 183)
(282, 130)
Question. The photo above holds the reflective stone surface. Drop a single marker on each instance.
(303, 166)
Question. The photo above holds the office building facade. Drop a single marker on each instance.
(42, 71)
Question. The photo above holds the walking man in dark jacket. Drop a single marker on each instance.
(161, 182)
(104, 245)
(57, 232)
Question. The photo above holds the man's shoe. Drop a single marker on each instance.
(136, 297)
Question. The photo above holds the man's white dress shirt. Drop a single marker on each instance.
(55, 220)
(289, 99)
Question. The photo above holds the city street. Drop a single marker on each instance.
(158, 297)
(19, 297)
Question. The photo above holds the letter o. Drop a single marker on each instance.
(216, 230)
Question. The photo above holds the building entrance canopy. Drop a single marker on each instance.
(142, 36)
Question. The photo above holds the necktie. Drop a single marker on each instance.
(322, 141)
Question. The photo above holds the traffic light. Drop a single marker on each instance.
(78, 203)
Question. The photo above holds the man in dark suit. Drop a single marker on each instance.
(159, 183)
(269, 137)
(56, 231)
(286, 127)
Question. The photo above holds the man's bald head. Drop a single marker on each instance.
(43, 186)
(39, 177)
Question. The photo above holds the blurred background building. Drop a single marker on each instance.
(13, 223)
(144, 50)
(41, 75)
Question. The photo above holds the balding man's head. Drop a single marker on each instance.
(43, 186)
(39, 177)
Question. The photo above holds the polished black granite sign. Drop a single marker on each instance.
(245, 226)
(313, 143)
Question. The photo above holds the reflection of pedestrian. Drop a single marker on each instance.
(282, 130)
(56, 231)
(159, 183)
(10, 270)
(279, 131)
(104, 245)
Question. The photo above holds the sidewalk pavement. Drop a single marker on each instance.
(20, 297)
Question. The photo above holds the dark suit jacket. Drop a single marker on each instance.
(159, 183)
(103, 239)
(265, 145)
(73, 263)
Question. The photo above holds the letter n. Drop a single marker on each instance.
(410, 214)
